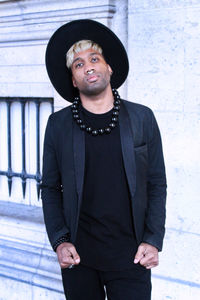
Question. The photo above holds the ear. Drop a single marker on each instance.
(110, 69)
(74, 82)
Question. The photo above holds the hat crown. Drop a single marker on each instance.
(72, 32)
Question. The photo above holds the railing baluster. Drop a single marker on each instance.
(52, 107)
(38, 175)
(9, 173)
(23, 174)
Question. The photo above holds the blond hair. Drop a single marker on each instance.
(78, 47)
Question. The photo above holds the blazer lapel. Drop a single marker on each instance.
(128, 153)
(127, 143)
(79, 159)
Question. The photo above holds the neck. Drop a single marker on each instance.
(100, 103)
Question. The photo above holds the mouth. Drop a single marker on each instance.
(92, 78)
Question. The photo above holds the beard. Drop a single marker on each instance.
(95, 88)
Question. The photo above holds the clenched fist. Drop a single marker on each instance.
(67, 255)
(147, 256)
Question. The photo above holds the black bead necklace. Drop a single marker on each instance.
(114, 119)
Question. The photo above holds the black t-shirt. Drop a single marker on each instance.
(105, 237)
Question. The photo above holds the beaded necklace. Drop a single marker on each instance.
(106, 130)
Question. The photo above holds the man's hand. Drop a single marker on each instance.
(67, 255)
(147, 256)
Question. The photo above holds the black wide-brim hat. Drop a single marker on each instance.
(72, 32)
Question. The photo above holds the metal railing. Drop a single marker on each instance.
(24, 175)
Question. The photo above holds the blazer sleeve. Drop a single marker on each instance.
(51, 189)
(156, 189)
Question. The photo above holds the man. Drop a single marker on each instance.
(104, 185)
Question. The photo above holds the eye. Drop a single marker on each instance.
(94, 59)
(79, 65)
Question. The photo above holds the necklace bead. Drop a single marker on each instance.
(107, 129)
(74, 105)
(95, 132)
(79, 121)
(112, 125)
(101, 131)
(117, 107)
(114, 119)
(82, 127)
(89, 129)
(115, 113)
(117, 102)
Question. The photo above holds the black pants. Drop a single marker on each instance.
(84, 283)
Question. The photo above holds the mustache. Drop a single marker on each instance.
(97, 74)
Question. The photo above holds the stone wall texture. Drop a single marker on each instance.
(163, 43)
(163, 46)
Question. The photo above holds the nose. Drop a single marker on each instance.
(89, 68)
(90, 71)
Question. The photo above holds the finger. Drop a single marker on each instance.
(74, 254)
(150, 266)
(147, 259)
(70, 251)
(64, 254)
(65, 257)
(66, 266)
(139, 255)
(66, 261)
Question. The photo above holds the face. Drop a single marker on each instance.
(90, 72)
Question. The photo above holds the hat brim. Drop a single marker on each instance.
(68, 34)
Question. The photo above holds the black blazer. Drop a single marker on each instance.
(63, 173)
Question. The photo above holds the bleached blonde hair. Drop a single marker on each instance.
(78, 47)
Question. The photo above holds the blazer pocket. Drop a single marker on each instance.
(142, 148)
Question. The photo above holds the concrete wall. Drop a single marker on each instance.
(165, 62)
(162, 40)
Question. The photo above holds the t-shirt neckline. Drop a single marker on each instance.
(94, 115)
